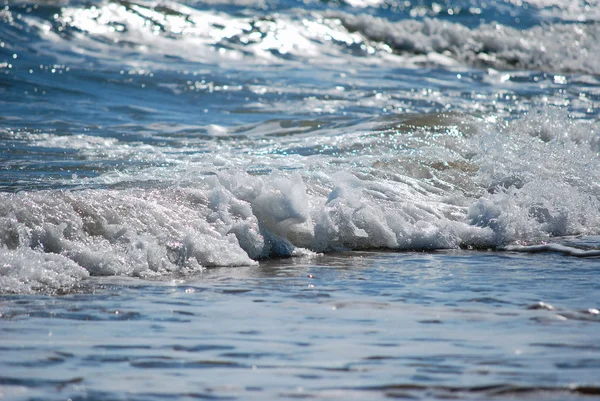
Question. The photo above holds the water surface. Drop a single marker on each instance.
(272, 199)
(362, 325)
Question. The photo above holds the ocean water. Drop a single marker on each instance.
(276, 199)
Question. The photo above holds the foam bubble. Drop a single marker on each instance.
(567, 250)
(541, 172)
(25, 270)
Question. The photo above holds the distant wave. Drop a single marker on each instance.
(118, 32)
(559, 48)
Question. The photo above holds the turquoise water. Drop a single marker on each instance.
(282, 199)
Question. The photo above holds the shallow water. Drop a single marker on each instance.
(299, 199)
(364, 325)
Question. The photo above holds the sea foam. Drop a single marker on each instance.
(450, 181)
(568, 48)
(331, 38)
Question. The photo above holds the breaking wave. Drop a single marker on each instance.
(128, 32)
(420, 183)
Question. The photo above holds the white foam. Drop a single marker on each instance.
(556, 47)
(566, 10)
(189, 34)
(542, 177)
(302, 37)
(25, 270)
(107, 232)
(425, 182)
(567, 250)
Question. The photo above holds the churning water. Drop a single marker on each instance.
(262, 199)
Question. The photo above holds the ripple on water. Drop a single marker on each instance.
(357, 343)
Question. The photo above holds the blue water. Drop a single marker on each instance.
(257, 199)
(345, 326)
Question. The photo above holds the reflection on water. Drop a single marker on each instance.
(354, 325)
